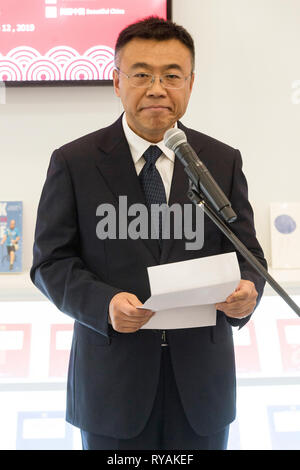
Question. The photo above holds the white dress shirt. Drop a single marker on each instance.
(138, 145)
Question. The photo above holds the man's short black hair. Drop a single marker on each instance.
(158, 29)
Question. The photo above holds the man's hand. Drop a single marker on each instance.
(241, 302)
(123, 314)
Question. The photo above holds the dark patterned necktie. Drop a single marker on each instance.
(151, 181)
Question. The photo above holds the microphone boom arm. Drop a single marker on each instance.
(204, 191)
(198, 199)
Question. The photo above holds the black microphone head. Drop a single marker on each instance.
(173, 138)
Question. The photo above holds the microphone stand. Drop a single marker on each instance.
(198, 198)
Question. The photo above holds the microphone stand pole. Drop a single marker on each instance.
(196, 196)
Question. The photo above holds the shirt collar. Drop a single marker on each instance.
(138, 145)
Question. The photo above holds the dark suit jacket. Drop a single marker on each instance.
(113, 376)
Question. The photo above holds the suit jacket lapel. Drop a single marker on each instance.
(118, 170)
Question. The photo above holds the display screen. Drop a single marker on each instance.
(65, 41)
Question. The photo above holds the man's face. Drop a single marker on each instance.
(151, 111)
(12, 224)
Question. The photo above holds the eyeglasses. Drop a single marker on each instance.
(146, 80)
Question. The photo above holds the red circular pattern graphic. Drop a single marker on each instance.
(58, 64)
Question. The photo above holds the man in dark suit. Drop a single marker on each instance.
(133, 388)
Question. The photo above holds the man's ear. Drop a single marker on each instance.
(192, 81)
(116, 80)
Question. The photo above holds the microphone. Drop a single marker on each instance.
(175, 139)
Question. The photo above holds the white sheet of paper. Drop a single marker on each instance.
(184, 294)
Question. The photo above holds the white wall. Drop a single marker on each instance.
(33, 123)
(247, 59)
